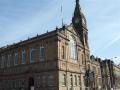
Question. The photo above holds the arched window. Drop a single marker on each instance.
(32, 55)
(23, 56)
(73, 49)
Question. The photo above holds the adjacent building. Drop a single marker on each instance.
(116, 76)
(110, 75)
(56, 60)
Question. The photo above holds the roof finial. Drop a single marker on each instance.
(77, 8)
(77, 4)
(77, 1)
(77, 13)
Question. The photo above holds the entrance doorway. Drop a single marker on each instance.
(31, 83)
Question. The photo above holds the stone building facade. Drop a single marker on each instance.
(107, 74)
(30, 63)
(110, 75)
(116, 76)
(56, 60)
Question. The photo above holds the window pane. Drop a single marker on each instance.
(16, 58)
(42, 53)
(75, 80)
(79, 80)
(64, 79)
(23, 57)
(2, 62)
(9, 59)
(73, 51)
(63, 52)
(32, 55)
(71, 80)
(50, 80)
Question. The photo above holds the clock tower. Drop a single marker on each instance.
(79, 23)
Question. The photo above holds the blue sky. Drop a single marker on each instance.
(20, 19)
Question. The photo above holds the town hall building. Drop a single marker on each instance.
(56, 60)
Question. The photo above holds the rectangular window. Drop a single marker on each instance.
(23, 56)
(50, 80)
(5, 60)
(16, 58)
(75, 80)
(64, 79)
(79, 80)
(32, 55)
(73, 48)
(8, 60)
(71, 80)
(42, 53)
(12, 59)
(83, 59)
(63, 52)
(2, 62)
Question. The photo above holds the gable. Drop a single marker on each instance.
(70, 31)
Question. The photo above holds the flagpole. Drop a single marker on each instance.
(62, 15)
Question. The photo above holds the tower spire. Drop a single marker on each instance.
(79, 23)
(77, 14)
(77, 8)
(77, 2)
